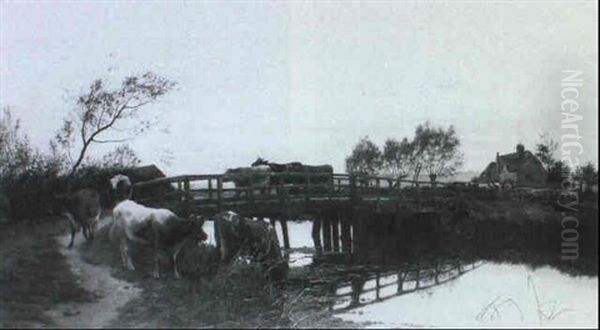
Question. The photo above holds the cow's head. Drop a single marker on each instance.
(197, 231)
(121, 187)
(260, 161)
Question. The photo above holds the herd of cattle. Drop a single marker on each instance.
(263, 174)
(164, 231)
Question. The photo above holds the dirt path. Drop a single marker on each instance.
(113, 293)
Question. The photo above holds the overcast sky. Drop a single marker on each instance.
(305, 81)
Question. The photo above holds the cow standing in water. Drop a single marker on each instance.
(136, 222)
(82, 208)
(239, 236)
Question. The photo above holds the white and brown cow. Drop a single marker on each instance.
(161, 228)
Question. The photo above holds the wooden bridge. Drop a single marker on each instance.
(333, 205)
(207, 194)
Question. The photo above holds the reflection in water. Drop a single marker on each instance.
(491, 295)
(370, 287)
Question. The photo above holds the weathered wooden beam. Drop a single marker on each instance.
(316, 236)
(346, 236)
(335, 233)
(326, 225)
(284, 231)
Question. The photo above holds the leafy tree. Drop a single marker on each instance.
(558, 171)
(398, 157)
(103, 110)
(366, 158)
(16, 154)
(588, 174)
(437, 151)
(545, 150)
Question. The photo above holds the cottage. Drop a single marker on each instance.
(521, 168)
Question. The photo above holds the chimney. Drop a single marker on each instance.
(520, 150)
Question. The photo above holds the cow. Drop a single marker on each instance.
(82, 209)
(256, 177)
(122, 188)
(167, 231)
(295, 173)
(239, 236)
(136, 222)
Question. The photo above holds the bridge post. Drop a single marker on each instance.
(335, 232)
(316, 236)
(284, 231)
(219, 192)
(326, 224)
(346, 235)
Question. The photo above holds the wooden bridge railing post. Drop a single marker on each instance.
(307, 189)
(219, 192)
(210, 188)
(353, 194)
(188, 196)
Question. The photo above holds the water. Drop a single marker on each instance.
(488, 295)
(483, 294)
(492, 295)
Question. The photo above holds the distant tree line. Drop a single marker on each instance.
(546, 150)
(434, 151)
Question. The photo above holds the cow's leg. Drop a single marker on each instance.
(125, 257)
(85, 231)
(175, 253)
(156, 270)
(73, 232)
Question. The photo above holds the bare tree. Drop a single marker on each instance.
(103, 110)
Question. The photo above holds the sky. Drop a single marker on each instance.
(304, 81)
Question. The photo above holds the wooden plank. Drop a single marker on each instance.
(316, 236)
(219, 193)
(335, 233)
(284, 231)
(326, 225)
(346, 239)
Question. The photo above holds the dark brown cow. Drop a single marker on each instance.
(82, 208)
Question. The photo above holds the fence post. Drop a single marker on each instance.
(210, 188)
(219, 192)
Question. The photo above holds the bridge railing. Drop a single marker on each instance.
(217, 190)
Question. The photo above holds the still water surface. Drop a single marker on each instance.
(488, 295)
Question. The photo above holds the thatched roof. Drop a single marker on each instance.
(513, 162)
